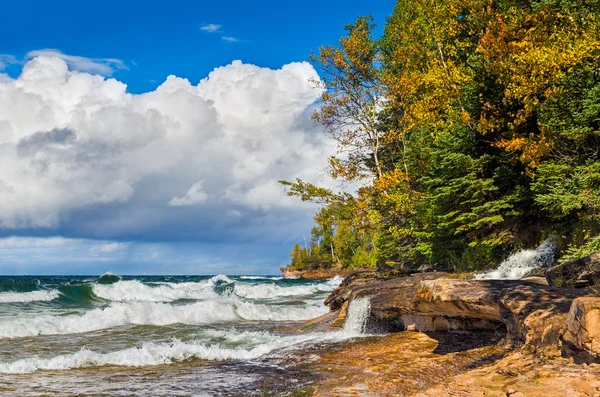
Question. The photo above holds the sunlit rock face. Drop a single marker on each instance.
(583, 326)
(527, 313)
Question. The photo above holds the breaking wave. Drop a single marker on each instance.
(133, 290)
(261, 278)
(32, 296)
(265, 291)
(119, 314)
(256, 345)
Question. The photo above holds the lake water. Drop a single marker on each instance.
(161, 335)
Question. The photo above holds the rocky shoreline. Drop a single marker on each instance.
(549, 336)
(316, 274)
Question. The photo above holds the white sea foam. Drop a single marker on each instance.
(221, 277)
(336, 281)
(220, 310)
(266, 291)
(261, 278)
(33, 296)
(232, 335)
(164, 353)
(133, 290)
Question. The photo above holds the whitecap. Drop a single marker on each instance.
(133, 290)
(266, 291)
(261, 278)
(150, 354)
(33, 296)
(221, 310)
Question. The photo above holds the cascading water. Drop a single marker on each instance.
(358, 313)
(521, 263)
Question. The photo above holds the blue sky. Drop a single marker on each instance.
(148, 137)
(159, 38)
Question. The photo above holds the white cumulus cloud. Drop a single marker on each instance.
(79, 155)
(194, 195)
(101, 66)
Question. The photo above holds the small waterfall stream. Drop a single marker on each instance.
(522, 262)
(358, 313)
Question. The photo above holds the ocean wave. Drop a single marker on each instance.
(261, 278)
(133, 290)
(221, 310)
(336, 281)
(32, 296)
(266, 291)
(150, 354)
(222, 278)
(108, 278)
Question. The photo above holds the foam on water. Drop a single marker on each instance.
(261, 344)
(255, 344)
(335, 282)
(221, 277)
(133, 290)
(261, 278)
(221, 310)
(521, 263)
(33, 296)
(267, 291)
(212, 334)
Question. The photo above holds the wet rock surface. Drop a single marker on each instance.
(521, 374)
(430, 365)
(399, 364)
(477, 338)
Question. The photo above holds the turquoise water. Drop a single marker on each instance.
(158, 335)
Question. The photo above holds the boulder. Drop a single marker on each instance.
(583, 326)
(581, 272)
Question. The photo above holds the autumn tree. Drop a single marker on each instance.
(352, 97)
(474, 126)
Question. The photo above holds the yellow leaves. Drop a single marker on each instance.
(427, 68)
(389, 179)
(353, 93)
(345, 169)
(529, 53)
(532, 149)
(393, 192)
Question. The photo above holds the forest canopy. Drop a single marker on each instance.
(473, 129)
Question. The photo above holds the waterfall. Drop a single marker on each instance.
(358, 313)
(522, 262)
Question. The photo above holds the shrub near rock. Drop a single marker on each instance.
(581, 272)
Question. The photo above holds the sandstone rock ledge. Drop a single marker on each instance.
(531, 314)
(550, 338)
